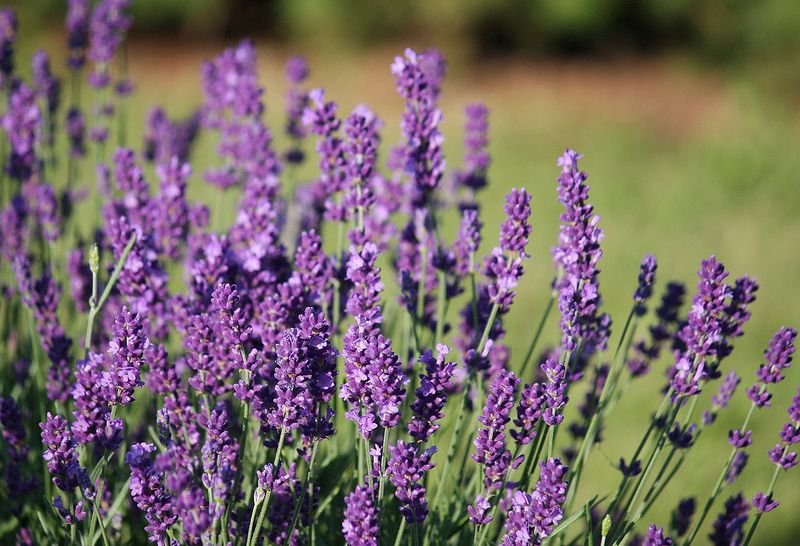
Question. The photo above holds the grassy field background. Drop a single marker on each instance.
(684, 161)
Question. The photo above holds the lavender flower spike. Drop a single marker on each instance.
(361, 519)
(406, 469)
(149, 493)
(533, 517)
(655, 537)
(647, 275)
(490, 443)
(431, 394)
(778, 356)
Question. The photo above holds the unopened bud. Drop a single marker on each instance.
(605, 527)
(94, 259)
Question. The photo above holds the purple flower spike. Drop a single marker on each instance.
(533, 517)
(424, 160)
(47, 86)
(490, 443)
(435, 383)
(375, 384)
(655, 537)
(555, 391)
(737, 466)
(77, 26)
(682, 516)
(22, 124)
(530, 411)
(364, 301)
(721, 399)
(577, 255)
(149, 493)
(361, 518)
(107, 28)
(647, 276)
(778, 356)
(703, 331)
(8, 35)
(516, 229)
(467, 242)
(296, 101)
(406, 470)
(305, 375)
(476, 142)
(61, 455)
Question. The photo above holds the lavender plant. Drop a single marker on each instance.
(256, 385)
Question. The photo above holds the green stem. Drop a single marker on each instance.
(537, 335)
(265, 505)
(306, 482)
(400, 531)
(441, 300)
(717, 486)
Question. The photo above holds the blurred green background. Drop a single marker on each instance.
(686, 112)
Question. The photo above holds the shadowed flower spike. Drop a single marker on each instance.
(647, 276)
(360, 526)
(682, 516)
(729, 526)
(661, 332)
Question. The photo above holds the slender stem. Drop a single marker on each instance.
(382, 482)
(717, 486)
(400, 531)
(420, 310)
(441, 300)
(488, 328)
(451, 450)
(265, 505)
(112, 280)
(306, 482)
(537, 335)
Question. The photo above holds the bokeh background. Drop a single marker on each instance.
(686, 112)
